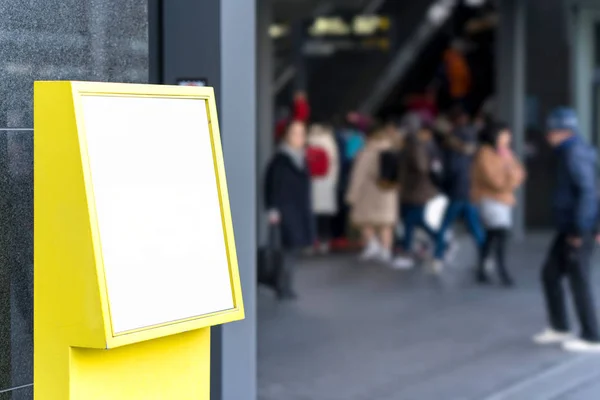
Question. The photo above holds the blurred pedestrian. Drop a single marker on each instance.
(460, 147)
(418, 167)
(576, 210)
(324, 185)
(395, 133)
(300, 112)
(496, 174)
(424, 104)
(374, 208)
(458, 73)
(354, 135)
(301, 107)
(340, 221)
(288, 201)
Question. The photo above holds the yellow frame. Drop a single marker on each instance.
(81, 89)
(73, 326)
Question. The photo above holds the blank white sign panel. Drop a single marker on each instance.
(158, 209)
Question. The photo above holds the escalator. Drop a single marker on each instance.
(342, 76)
(338, 82)
(425, 68)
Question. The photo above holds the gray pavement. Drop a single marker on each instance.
(364, 332)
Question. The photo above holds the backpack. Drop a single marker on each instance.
(318, 161)
(389, 169)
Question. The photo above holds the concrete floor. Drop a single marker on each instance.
(363, 332)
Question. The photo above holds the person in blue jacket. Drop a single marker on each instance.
(460, 147)
(576, 212)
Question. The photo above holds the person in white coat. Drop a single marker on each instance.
(324, 187)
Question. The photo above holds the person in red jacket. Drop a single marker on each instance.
(423, 104)
(301, 112)
(301, 107)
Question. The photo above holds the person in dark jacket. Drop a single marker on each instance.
(460, 148)
(417, 189)
(576, 212)
(288, 201)
(339, 225)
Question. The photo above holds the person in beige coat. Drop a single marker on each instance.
(495, 176)
(374, 208)
(324, 188)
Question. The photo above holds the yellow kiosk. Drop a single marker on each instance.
(134, 248)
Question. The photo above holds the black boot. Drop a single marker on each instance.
(285, 281)
(505, 278)
(289, 295)
(484, 252)
(508, 282)
(481, 277)
(501, 244)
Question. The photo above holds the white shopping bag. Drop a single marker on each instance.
(435, 210)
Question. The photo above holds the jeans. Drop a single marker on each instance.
(565, 261)
(459, 209)
(413, 216)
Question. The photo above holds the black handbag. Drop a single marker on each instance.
(270, 260)
(389, 169)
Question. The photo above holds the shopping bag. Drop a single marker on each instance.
(270, 260)
(435, 210)
(495, 214)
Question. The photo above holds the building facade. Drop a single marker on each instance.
(98, 40)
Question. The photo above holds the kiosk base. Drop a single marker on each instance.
(173, 367)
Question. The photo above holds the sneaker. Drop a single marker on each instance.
(581, 346)
(550, 336)
(422, 252)
(372, 251)
(489, 266)
(436, 267)
(451, 252)
(385, 255)
(403, 263)
(324, 248)
(309, 251)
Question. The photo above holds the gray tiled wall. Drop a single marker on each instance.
(98, 40)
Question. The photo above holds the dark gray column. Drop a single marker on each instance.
(216, 40)
(238, 118)
(301, 79)
(155, 41)
(265, 105)
(510, 83)
(191, 42)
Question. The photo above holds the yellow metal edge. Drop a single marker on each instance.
(107, 88)
(219, 163)
(93, 215)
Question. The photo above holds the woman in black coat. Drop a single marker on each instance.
(288, 198)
